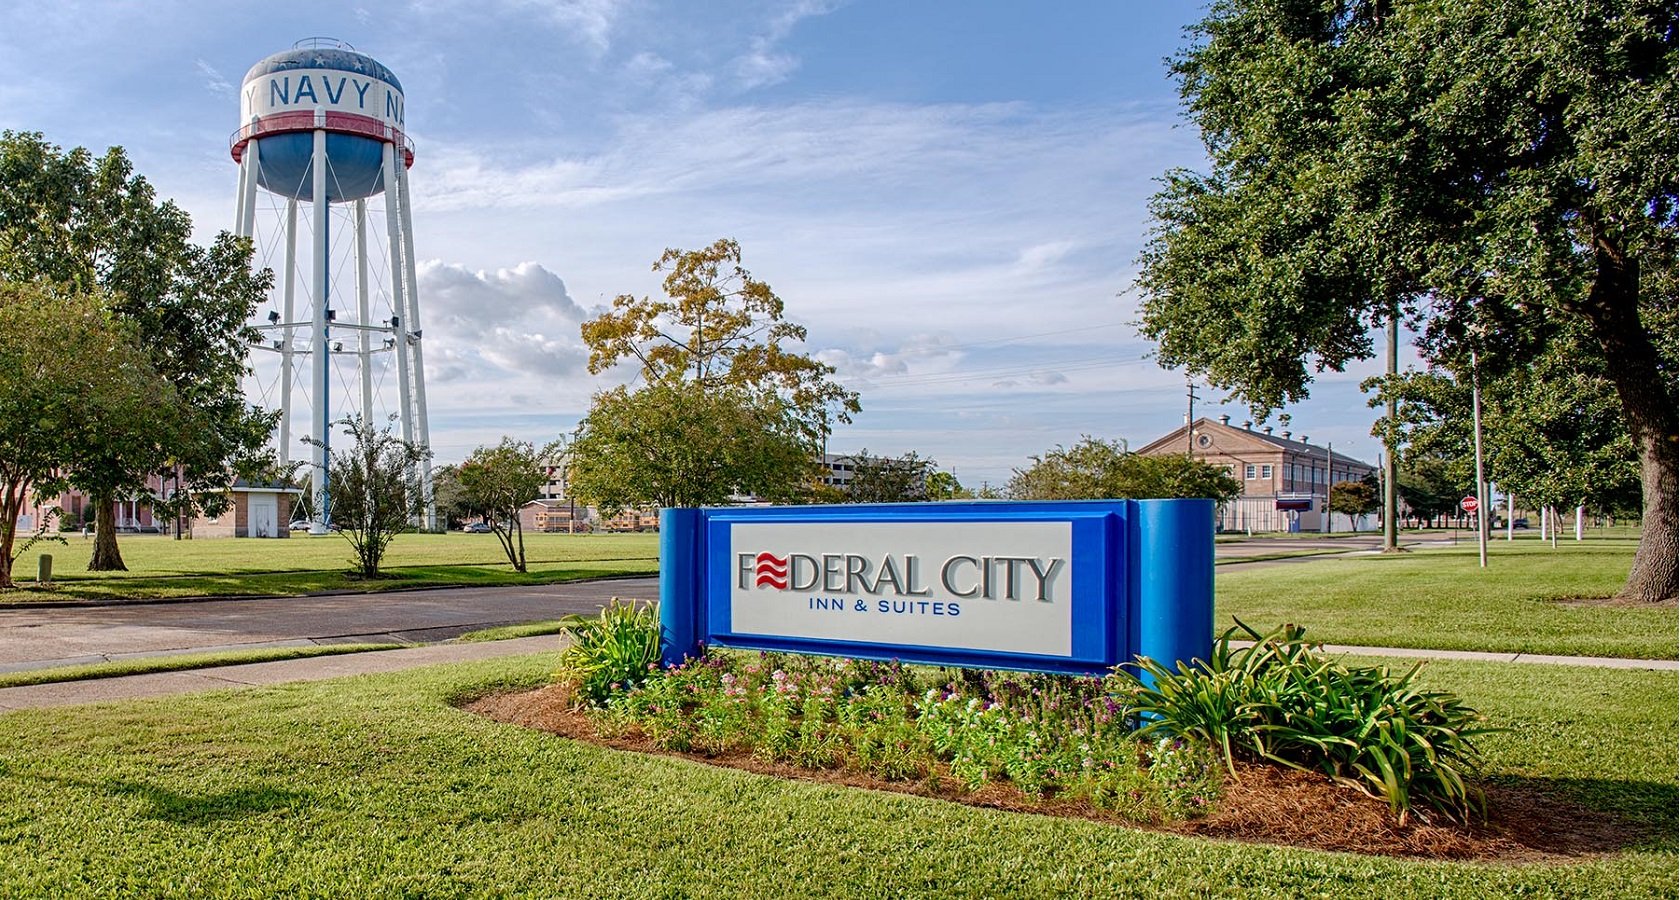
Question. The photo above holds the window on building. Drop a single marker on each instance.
(1265, 471)
(1248, 471)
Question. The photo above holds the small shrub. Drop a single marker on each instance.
(613, 651)
(1278, 700)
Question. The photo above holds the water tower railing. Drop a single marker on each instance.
(323, 43)
(304, 120)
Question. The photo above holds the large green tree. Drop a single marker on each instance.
(1494, 173)
(1095, 469)
(727, 406)
(82, 223)
(667, 444)
(70, 376)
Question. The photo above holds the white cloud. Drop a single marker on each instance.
(519, 322)
(763, 64)
(214, 82)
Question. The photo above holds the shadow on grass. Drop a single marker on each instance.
(165, 805)
(1581, 816)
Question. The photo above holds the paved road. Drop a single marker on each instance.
(37, 638)
(34, 638)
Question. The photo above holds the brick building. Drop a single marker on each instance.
(1285, 480)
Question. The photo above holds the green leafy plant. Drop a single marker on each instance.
(1278, 700)
(1046, 735)
(612, 651)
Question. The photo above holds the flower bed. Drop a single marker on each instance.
(1049, 736)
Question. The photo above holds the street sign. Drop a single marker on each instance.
(1468, 504)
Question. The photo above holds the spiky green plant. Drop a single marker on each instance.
(611, 652)
(1279, 700)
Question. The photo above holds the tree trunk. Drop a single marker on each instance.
(11, 506)
(1612, 311)
(519, 539)
(106, 556)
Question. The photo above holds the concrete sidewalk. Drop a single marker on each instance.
(161, 684)
(134, 687)
(1596, 662)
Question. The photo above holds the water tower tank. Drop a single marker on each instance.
(321, 84)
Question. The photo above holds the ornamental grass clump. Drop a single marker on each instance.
(1279, 701)
(611, 652)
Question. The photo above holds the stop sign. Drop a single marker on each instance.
(1468, 504)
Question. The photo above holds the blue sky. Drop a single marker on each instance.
(950, 195)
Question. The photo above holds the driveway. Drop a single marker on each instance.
(33, 638)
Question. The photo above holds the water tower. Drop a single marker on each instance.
(321, 127)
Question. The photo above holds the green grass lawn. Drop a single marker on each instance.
(163, 567)
(375, 786)
(1441, 598)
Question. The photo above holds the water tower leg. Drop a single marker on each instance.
(239, 199)
(323, 408)
(399, 322)
(288, 310)
(364, 353)
(422, 428)
(399, 325)
(248, 168)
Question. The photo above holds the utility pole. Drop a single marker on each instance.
(1481, 483)
(1189, 415)
(1391, 497)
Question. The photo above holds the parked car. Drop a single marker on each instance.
(1519, 523)
(476, 528)
(298, 525)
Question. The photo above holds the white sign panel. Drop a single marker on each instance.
(1005, 586)
(299, 90)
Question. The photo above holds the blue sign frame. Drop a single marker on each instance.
(1142, 584)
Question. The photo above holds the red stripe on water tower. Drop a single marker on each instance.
(333, 122)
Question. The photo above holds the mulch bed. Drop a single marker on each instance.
(1264, 804)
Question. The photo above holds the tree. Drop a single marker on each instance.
(882, 480)
(1553, 431)
(82, 223)
(1355, 498)
(449, 497)
(376, 490)
(69, 376)
(667, 445)
(1096, 469)
(1494, 174)
(720, 327)
(498, 481)
(945, 486)
(726, 407)
(1427, 485)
